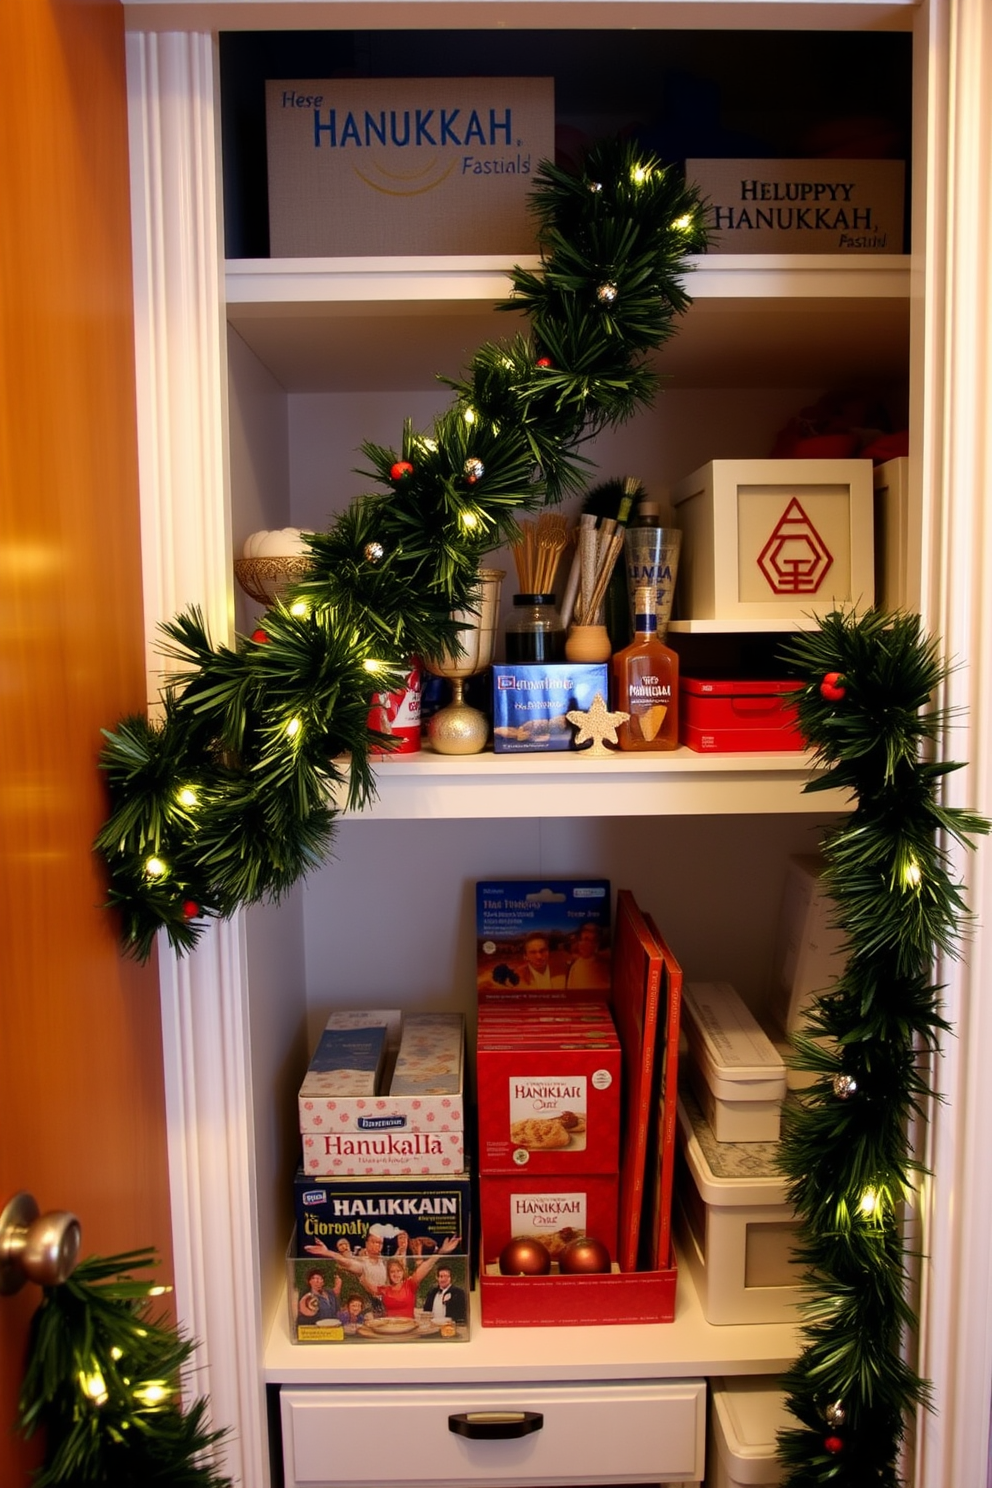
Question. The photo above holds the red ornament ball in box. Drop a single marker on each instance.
(584, 1256)
(524, 1256)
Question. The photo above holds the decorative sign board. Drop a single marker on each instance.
(802, 206)
(775, 539)
(385, 166)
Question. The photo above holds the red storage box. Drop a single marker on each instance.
(558, 1301)
(736, 716)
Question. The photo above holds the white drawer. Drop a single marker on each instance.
(624, 1432)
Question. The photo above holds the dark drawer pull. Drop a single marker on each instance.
(495, 1425)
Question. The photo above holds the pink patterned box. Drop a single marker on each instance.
(347, 1135)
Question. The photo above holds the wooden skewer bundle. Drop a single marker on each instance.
(539, 551)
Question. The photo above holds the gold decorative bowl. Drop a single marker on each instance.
(265, 579)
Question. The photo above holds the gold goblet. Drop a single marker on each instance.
(459, 728)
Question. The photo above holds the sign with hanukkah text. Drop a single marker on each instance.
(802, 206)
(386, 166)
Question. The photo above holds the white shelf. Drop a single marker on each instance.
(326, 325)
(682, 783)
(688, 1346)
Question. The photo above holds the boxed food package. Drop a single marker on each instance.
(737, 715)
(551, 1209)
(735, 1224)
(549, 1108)
(531, 704)
(775, 540)
(346, 1061)
(429, 1061)
(543, 936)
(733, 1068)
(746, 1415)
(405, 1215)
(363, 1299)
(419, 1129)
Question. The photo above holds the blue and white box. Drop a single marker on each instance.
(531, 704)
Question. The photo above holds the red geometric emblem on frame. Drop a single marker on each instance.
(795, 559)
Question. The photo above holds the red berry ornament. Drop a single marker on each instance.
(833, 1444)
(832, 687)
(401, 469)
(259, 636)
(191, 910)
(543, 362)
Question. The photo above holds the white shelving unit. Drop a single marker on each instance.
(256, 384)
(302, 330)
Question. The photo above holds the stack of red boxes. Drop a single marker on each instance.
(549, 1080)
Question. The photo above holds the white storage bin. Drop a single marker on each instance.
(775, 539)
(746, 1416)
(735, 1224)
(736, 1073)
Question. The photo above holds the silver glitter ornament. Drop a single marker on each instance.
(606, 294)
(835, 1414)
(474, 469)
(374, 552)
(844, 1086)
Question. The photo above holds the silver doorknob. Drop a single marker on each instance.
(36, 1247)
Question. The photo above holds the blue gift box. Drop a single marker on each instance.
(530, 704)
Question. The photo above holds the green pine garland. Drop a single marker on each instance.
(102, 1383)
(867, 709)
(224, 801)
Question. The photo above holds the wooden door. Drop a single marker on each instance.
(81, 1091)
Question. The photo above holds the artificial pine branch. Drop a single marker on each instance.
(103, 1383)
(867, 708)
(251, 733)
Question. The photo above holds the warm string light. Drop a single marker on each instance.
(300, 609)
(93, 1387)
(869, 1204)
(155, 868)
(469, 520)
(683, 223)
(153, 1393)
(293, 728)
(912, 874)
(187, 797)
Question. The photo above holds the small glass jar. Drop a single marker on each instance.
(534, 632)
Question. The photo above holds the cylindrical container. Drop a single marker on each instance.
(534, 632)
(652, 556)
(398, 715)
(588, 643)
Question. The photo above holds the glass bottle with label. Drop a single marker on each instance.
(646, 683)
(652, 555)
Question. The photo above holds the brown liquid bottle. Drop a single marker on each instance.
(646, 683)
